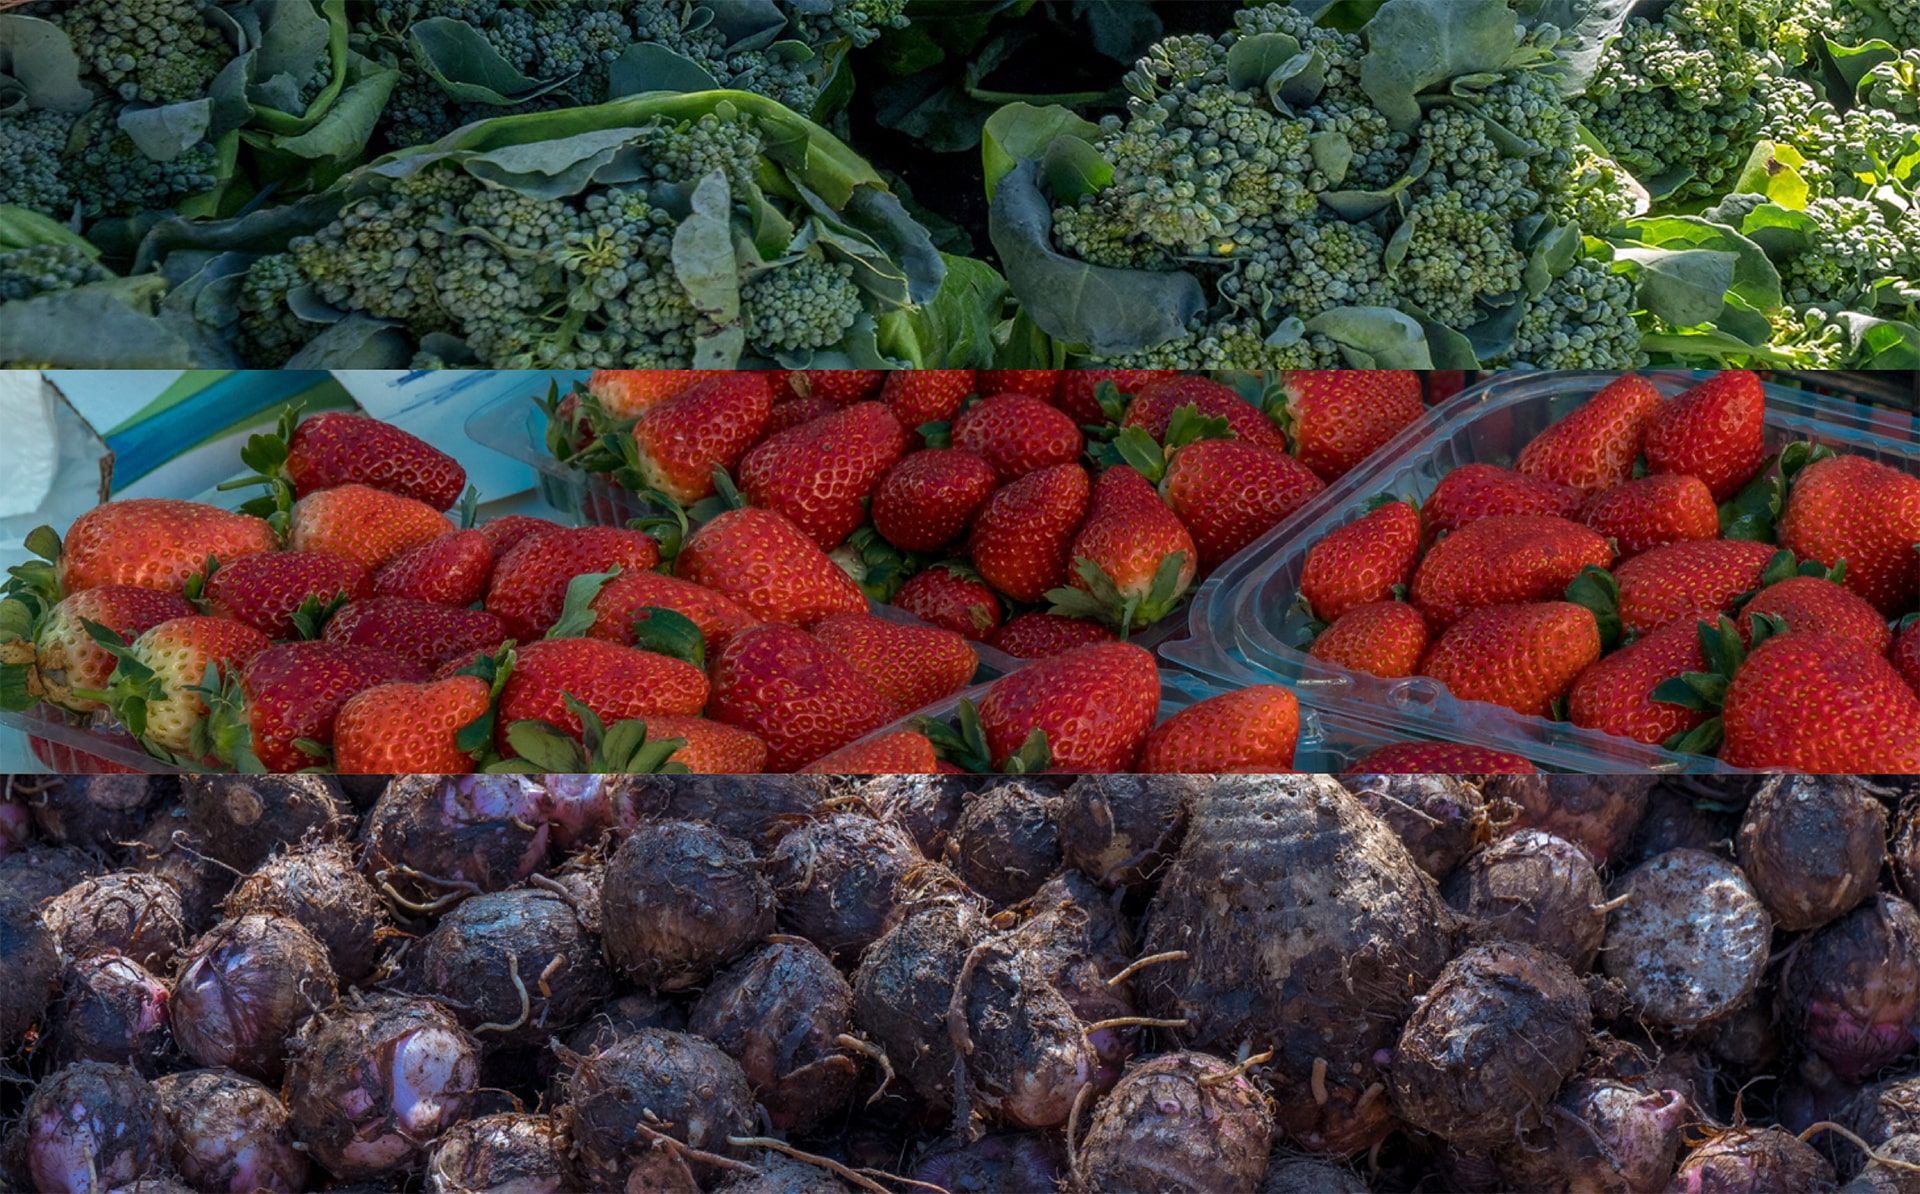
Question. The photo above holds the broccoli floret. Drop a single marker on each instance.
(379, 256)
(31, 143)
(1454, 256)
(154, 51)
(1850, 248)
(42, 269)
(111, 177)
(1333, 264)
(808, 304)
(1895, 86)
(269, 332)
(1818, 341)
(1584, 320)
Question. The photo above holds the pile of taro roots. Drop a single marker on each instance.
(809, 984)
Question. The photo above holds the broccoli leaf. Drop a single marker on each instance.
(37, 55)
(955, 329)
(166, 132)
(647, 66)
(466, 65)
(1682, 286)
(1022, 131)
(1413, 45)
(1374, 337)
(703, 257)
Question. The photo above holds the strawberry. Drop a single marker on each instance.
(61, 655)
(1361, 563)
(1652, 512)
(1861, 511)
(820, 474)
(506, 533)
(285, 594)
(1476, 491)
(1716, 431)
(769, 567)
(801, 697)
(1079, 392)
(411, 728)
(902, 752)
(1336, 418)
(926, 500)
(679, 442)
(912, 666)
(1906, 651)
(1034, 383)
(625, 393)
(1018, 434)
(1022, 536)
(529, 586)
(1037, 635)
(1229, 492)
(156, 690)
(613, 682)
(1504, 560)
(1524, 657)
(953, 596)
(1154, 406)
(1697, 578)
(420, 631)
(707, 747)
(289, 695)
(154, 543)
(631, 594)
(1087, 710)
(1422, 758)
(339, 448)
(1594, 447)
(842, 387)
(1132, 559)
(1252, 730)
(362, 523)
(1820, 703)
(920, 396)
(1820, 605)
(451, 570)
(1615, 695)
(795, 411)
(1381, 638)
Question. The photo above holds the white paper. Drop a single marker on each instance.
(33, 441)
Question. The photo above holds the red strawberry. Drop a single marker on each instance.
(679, 442)
(1381, 638)
(1822, 704)
(1652, 512)
(1034, 383)
(451, 570)
(154, 543)
(1814, 603)
(624, 393)
(902, 752)
(362, 523)
(621, 600)
(1362, 562)
(1229, 492)
(802, 698)
(820, 474)
(1338, 417)
(926, 500)
(1699, 578)
(1022, 536)
(1524, 657)
(1615, 695)
(912, 666)
(1079, 393)
(615, 683)
(1866, 513)
(155, 690)
(294, 691)
(768, 567)
(285, 594)
(1504, 560)
(1037, 635)
(1091, 708)
(62, 656)
(412, 728)
(338, 448)
(795, 411)
(842, 387)
(709, 747)
(1422, 758)
(1906, 652)
(1252, 730)
(420, 631)
(1476, 491)
(1716, 431)
(506, 533)
(918, 396)
(1018, 434)
(1594, 447)
(529, 586)
(1132, 559)
(952, 596)
(1153, 408)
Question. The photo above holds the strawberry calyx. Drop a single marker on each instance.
(1596, 590)
(475, 738)
(266, 454)
(669, 632)
(1706, 692)
(134, 687)
(20, 687)
(35, 582)
(963, 743)
(1136, 448)
(226, 732)
(1102, 600)
(623, 748)
(588, 413)
(577, 614)
(878, 567)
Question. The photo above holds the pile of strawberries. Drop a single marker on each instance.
(1648, 569)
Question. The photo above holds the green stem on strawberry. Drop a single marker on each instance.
(621, 749)
(669, 632)
(1706, 692)
(1103, 602)
(36, 582)
(577, 614)
(963, 742)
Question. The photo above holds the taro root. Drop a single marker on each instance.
(94, 1127)
(1536, 889)
(510, 1152)
(637, 1097)
(319, 886)
(1308, 930)
(1689, 939)
(575, 808)
(777, 1174)
(169, 849)
(1078, 934)
(112, 1010)
(1812, 846)
(1885, 1110)
(371, 1087)
(40, 872)
(1488, 1047)
(230, 1133)
(1752, 1160)
(1307, 1175)
(995, 1162)
(1681, 816)
(245, 987)
(904, 986)
(925, 805)
(432, 838)
(1179, 1123)
(780, 1012)
(1120, 830)
(1440, 818)
(1892, 1171)
(1852, 989)
(94, 812)
(30, 960)
(1604, 1136)
(835, 879)
(1005, 844)
(624, 1016)
(1749, 1040)
(244, 818)
(125, 912)
(756, 809)
(1598, 813)
(680, 900)
(1025, 1052)
(521, 963)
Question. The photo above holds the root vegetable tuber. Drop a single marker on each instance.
(432, 839)
(1536, 889)
(1598, 813)
(113, 1010)
(319, 886)
(244, 818)
(1852, 989)
(1179, 1123)
(1440, 818)
(648, 1092)
(1005, 844)
(244, 988)
(229, 1133)
(1120, 830)
(681, 899)
(1689, 939)
(94, 1127)
(510, 1152)
(128, 913)
(835, 879)
(519, 965)
(779, 1012)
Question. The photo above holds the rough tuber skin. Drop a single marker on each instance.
(623, 1016)
(1120, 830)
(652, 1086)
(1308, 1175)
(1602, 1136)
(30, 959)
(229, 1133)
(1179, 1123)
(1536, 889)
(1005, 844)
(319, 886)
(1852, 989)
(995, 1162)
(926, 806)
(779, 1012)
(244, 818)
(1026, 1051)
(1754, 1161)
(114, 1010)
(680, 900)
(756, 809)
(244, 988)
(1812, 846)
(511, 1152)
(432, 838)
(1077, 932)
(40, 872)
(94, 812)
(128, 913)
(169, 849)
(576, 808)
(904, 986)
(835, 879)
(1598, 813)
(1880, 1177)
(1886, 1109)
(1441, 818)
(1690, 940)
(1679, 819)
(94, 1127)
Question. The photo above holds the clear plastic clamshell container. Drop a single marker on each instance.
(1245, 626)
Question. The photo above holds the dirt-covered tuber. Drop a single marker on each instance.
(1179, 1123)
(681, 899)
(781, 1013)
(1536, 889)
(319, 886)
(244, 818)
(1812, 847)
(230, 1133)
(1688, 938)
(647, 1093)
(246, 987)
(835, 879)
